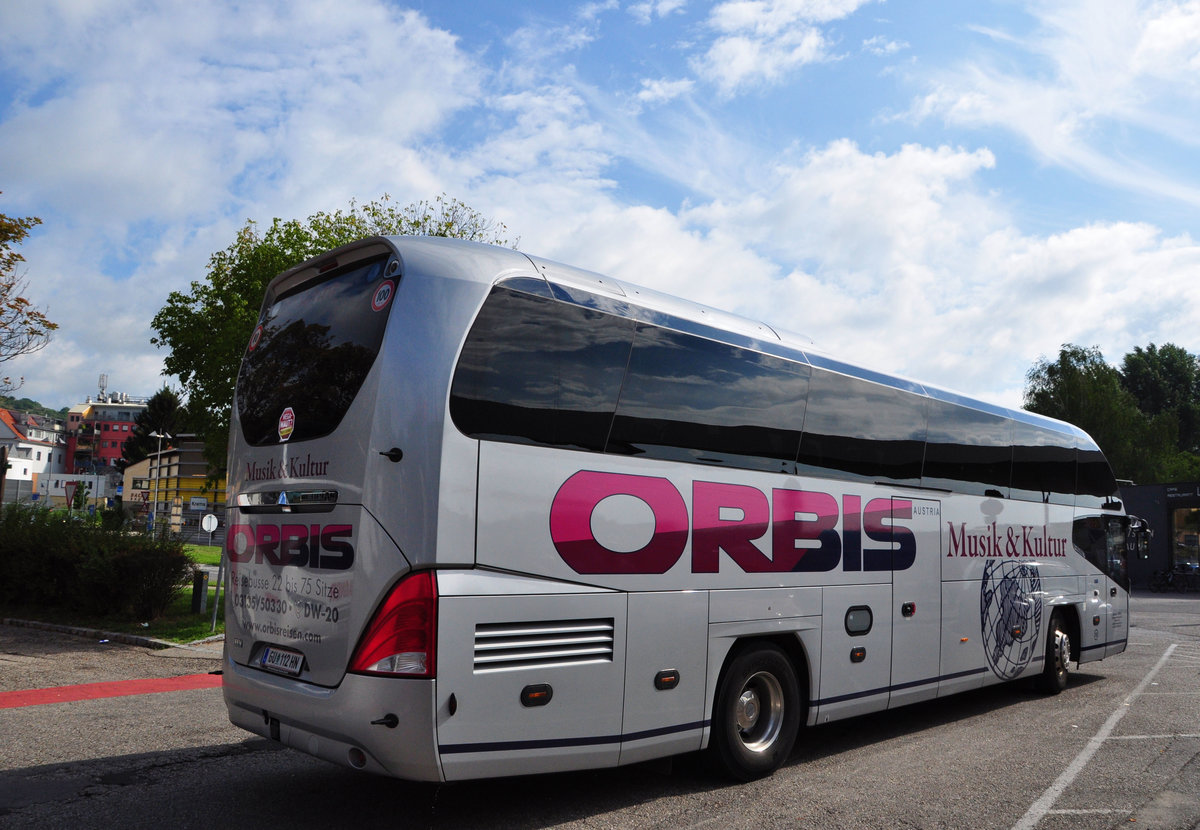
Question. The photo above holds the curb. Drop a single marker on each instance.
(98, 634)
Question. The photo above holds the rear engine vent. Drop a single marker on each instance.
(529, 645)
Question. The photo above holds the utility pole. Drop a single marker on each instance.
(3, 470)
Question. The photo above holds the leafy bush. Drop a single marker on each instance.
(58, 560)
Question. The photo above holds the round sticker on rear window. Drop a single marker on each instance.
(383, 295)
(256, 338)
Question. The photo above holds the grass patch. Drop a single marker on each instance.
(177, 625)
(204, 554)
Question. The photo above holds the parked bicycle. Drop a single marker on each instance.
(1179, 579)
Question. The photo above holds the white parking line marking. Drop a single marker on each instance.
(1042, 806)
(1098, 811)
(1154, 737)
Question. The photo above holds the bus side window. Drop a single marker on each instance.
(1096, 487)
(1043, 465)
(967, 451)
(856, 429)
(687, 398)
(538, 371)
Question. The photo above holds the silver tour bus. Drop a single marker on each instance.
(493, 515)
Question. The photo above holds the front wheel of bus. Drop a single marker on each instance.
(756, 715)
(1057, 668)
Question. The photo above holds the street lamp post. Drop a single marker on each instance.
(157, 472)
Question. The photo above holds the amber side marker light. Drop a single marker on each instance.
(538, 694)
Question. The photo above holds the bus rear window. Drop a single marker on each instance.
(310, 353)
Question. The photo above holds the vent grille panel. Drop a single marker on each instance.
(531, 645)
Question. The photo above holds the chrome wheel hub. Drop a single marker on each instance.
(759, 712)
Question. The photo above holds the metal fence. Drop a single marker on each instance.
(182, 519)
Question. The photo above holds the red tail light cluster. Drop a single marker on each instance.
(399, 641)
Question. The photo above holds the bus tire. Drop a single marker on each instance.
(1056, 669)
(756, 714)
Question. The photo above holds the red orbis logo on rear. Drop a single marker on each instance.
(327, 547)
(287, 424)
(802, 527)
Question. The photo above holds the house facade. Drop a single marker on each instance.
(34, 448)
(171, 486)
(98, 429)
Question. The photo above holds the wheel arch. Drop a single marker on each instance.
(1069, 613)
(790, 643)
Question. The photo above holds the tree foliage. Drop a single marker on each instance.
(1165, 381)
(205, 329)
(23, 328)
(1133, 414)
(164, 414)
(31, 406)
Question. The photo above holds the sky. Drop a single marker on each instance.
(946, 191)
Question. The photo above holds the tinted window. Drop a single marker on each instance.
(1095, 485)
(538, 371)
(861, 430)
(968, 451)
(1043, 465)
(1103, 540)
(311, 352)
(690, 399)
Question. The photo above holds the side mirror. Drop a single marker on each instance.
(1139, 537)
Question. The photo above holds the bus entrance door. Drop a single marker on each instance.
(1094, 630)
(916, 602)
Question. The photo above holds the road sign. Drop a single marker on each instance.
(197, 503)
(70, 487)
(209, 523)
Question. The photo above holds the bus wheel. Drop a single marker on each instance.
(1057, 667)
(756, 714)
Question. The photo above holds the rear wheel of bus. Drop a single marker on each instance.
(757, 712)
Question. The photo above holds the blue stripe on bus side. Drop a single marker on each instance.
(548, 743)
(601, 740)
(1124, 642)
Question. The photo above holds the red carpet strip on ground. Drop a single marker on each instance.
(117, 688)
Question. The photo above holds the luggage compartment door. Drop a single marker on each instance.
(529, 683)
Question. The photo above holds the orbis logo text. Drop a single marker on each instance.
(808, 530)
(311, 546)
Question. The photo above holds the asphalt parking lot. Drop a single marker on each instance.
(1119, 748)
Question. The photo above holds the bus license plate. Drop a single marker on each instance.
(282, 661)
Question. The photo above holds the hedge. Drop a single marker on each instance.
(59, 560)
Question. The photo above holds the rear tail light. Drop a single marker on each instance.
(399, 641)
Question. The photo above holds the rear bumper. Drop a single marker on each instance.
(333, 723)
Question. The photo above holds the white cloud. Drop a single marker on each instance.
(147, 136)
(661, 91)
(898, 261)
(882, 46)
(159, 117)
(762, 41)
(1169, 46)
(645, 12)
(591, 11)
(1093, 73)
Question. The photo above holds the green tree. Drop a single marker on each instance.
(23, 328)
(82, 493)
(1165, 381)
(164, 414)
(206, 328)
(1081, 388)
